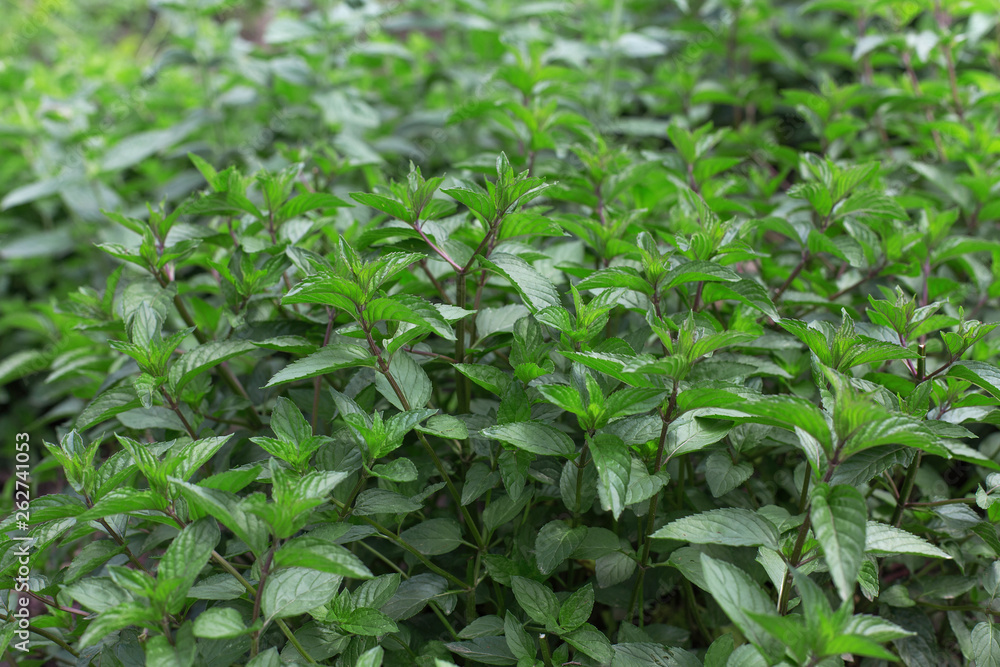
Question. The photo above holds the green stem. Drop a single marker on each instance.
(644, 535)
(41, 632)
(392, 537)
(120, 541)
(906, 490)
(463, 387)
(786, 585)
(255, 642)
(331, 315)
(383, 367)
(228, 567)
(546, 653)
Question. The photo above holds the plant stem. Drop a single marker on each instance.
(950, 501)
(331, 315)
(392, 537)
(546, 653)
(180, 414)
(383, 367)
(41, 632)
(255, 642)
(906, 490)
(463, 386)
(786, 585)
(122, 543)
(806, 256)
(227, 375)
(228, 567)
(645, 541)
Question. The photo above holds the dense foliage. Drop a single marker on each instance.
(494, 332)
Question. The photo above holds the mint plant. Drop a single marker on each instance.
(593, 333)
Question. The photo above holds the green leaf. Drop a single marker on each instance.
(555, 542)
(382, 501)
(117, 618)
(614, 463)
(371, 658)
(388, 206)
(398, 470)
(536, 600)
(520, 643)
(577, 608)
(121, 501)
(226, 508)
(367, 622)
(489, 378)
(622, 277)
(202, 358)
(332, 357)
(433, 537)
(738, 594)
(268, 658)
(536, 290)
(308, 201)
(698, 271)
(316, 554)
(485, 650)
(745, 291)
(589, 640)
(411, 379)
(288, 423)
(534, 437)
(407, 308)
(691, 433)
(445, 426)
(295, 590)
(731, 526)
(188, 553)
(90, 557)
(884, 540)
(220, 623)
(983, 375)
(838, 519)
(986, 644)
(723, 475)
(413, 594)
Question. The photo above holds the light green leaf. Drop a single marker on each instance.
(330, 358)
(555, 542)
(577, 608)
(738, 594)
(731, 526)
(983, 375)
(220, 623)
(371, 658)
(589, 640)
(614, 463)
(534, 437)
(838, 518)
(316, 554)
(204, 357)
(986, 644)
(433, 537)
(411, 379)
(723, 475)
(698, 271)
(885, 540)
(536, 290)
(536, 600)
(188, 553)
(367, 622)
(295, 590)
(691, 433)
